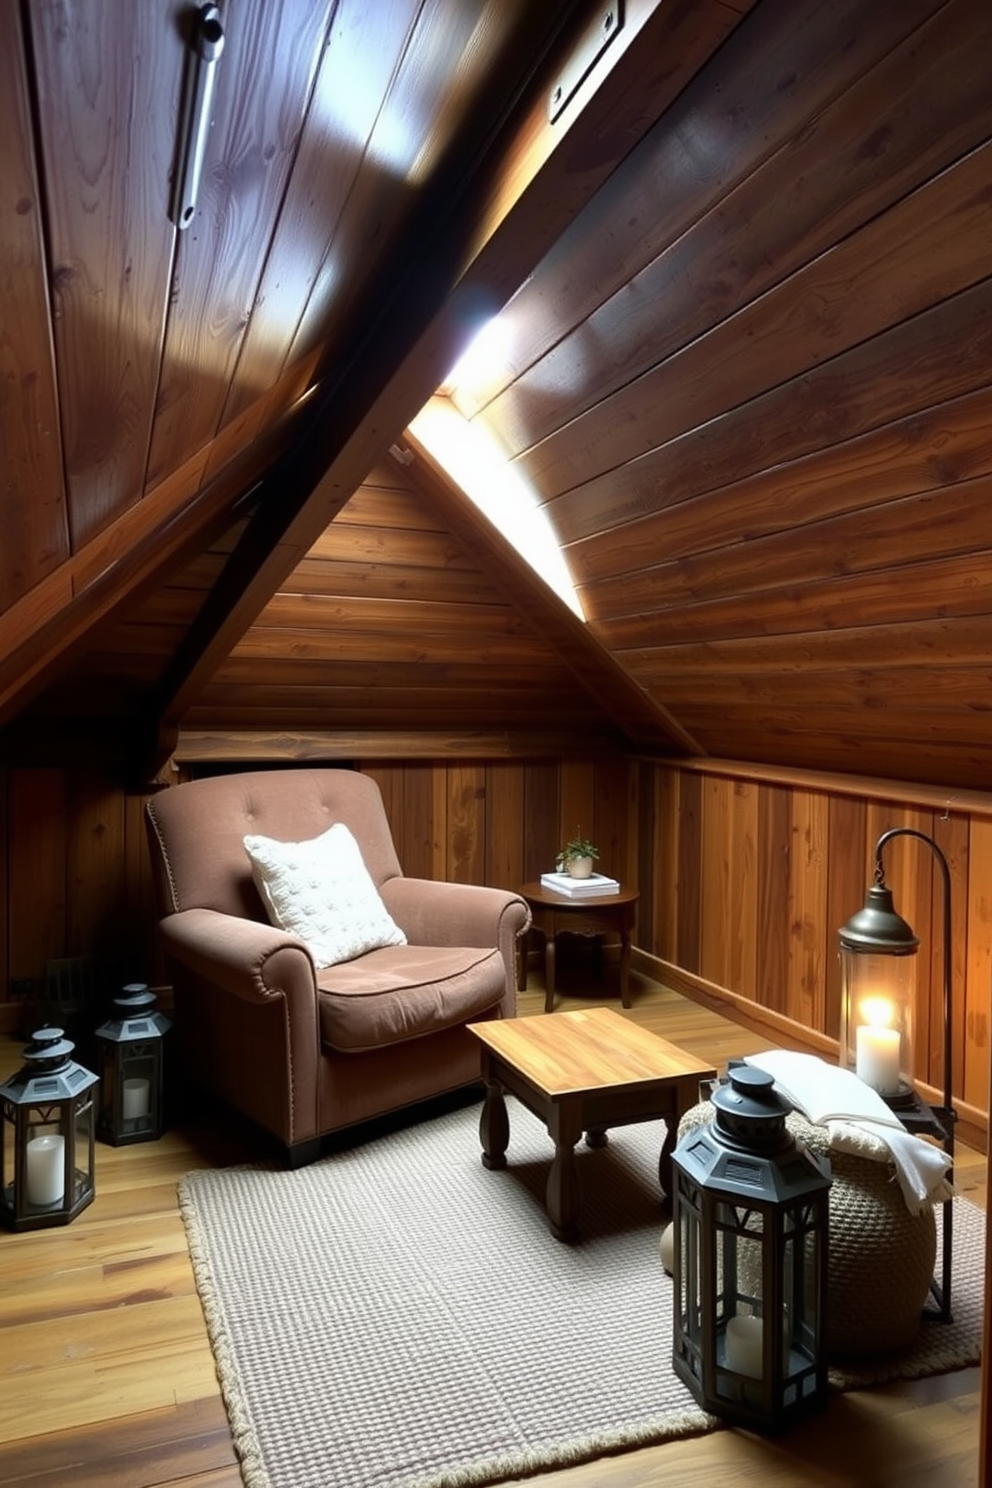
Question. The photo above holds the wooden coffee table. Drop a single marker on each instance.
(599, 914)
(581, 1072)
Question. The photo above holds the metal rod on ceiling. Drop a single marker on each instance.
(208, 43)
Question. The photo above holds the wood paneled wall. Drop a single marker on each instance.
(745, 875)
(751, 385)
(75, 878)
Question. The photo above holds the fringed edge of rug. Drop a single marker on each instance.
(889, 1369)
(526, 1463)
(253, 1470)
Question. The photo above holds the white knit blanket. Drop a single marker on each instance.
(859, 1121)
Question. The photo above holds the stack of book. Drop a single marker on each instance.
(579, 888)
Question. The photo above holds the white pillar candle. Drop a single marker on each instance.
(744, 1345)
(877, 1058)
(135, 1099)
(46, 1170)
(667, 1248)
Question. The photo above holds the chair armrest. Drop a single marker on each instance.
(431, 912)
(245, 957)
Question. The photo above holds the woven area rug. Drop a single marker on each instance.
(397, 1316)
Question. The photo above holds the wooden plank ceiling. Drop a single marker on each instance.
(747, 289)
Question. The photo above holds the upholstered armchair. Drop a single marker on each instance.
(301, 1047)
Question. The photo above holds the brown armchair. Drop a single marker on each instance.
(299, 1050)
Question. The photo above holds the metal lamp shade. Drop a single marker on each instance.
(48, 1117)
(878, 994)
(130, 1046)
(751, 1223)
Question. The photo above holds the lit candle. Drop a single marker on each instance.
(135, 1099)
(744, 1345)
(46, 1170)
(877, 1058)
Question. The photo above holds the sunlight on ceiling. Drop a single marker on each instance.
(474, 460)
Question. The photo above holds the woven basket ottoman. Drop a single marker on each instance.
(881, 1257)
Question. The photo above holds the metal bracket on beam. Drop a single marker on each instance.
(606, 25)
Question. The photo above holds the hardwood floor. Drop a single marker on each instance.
(106, 1375)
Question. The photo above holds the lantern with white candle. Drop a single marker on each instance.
(47, 1155)
(878, 996)
(750, 1221)
(130, 1045)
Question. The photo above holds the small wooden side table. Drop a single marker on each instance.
(582, 1072)
(601, 914)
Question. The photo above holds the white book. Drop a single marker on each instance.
(580, 888)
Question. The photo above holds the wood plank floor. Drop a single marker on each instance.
(106, 1375)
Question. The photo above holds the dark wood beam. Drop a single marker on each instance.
(520, 193)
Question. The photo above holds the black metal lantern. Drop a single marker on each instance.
(750, 1214)
(47, 1159)
(130, 1046)
(878, 953)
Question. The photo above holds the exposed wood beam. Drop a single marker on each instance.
(474, 254)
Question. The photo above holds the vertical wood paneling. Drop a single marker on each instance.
(389, 779)
(38, 850)
(505, 824)
(615, 831)
(729, 885)
(418, 821)
(466, 823)
(139, 901)
(745, 884)
(541, 818)
(439, 816)
(829, 840)
(577, 802)
(37, 538)
(108, 83)
(978, 970)
(847, 880)
(692, 854)
(96, 898)
(804, 1000)
(669, 882)
(775, 849)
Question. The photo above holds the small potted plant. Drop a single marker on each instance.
(577, 856)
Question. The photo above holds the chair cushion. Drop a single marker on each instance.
(322, 891)
(401, 993)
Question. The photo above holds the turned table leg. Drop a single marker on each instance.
(549, 972)
(494, 1127)
(564, 1128)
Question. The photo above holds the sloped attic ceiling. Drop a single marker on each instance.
(748, 376)
(376, 178)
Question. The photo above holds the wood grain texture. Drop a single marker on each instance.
(119, 1285)
(717, 133)
(437, 641)
(305, 249)
(36, 534)
(108, 89)
(250, 154)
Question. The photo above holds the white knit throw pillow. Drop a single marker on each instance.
(322, 891)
